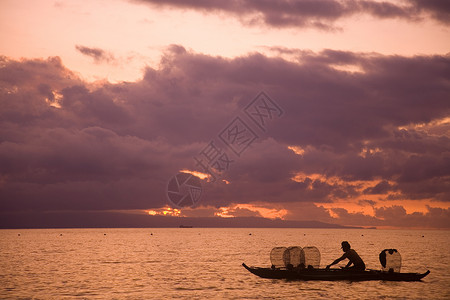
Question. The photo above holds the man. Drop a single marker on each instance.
(352, 256)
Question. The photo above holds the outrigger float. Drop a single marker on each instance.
(295, 263)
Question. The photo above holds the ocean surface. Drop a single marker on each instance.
(205, 263)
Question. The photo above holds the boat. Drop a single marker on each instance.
(297, 263)
(186, 226)
(333, 274)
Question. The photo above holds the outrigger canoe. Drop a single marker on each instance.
(333, 274)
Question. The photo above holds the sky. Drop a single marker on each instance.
(330, 111)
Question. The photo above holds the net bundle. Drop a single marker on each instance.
(295, 256)
(312, 257)
(391, 260)
(279, 257)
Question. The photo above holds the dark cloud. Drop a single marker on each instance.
(69, 145)
(307, 13)
(382, 187)
(342, 215)
(439, 9)
(307, 211)
(397, 216)
(366, 202)
(99, 55)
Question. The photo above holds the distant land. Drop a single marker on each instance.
(102, 219)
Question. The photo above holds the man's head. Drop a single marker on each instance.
(345, 246)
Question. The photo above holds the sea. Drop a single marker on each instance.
(206, 263)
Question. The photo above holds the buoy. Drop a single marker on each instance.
(104, 234)
(60, 234)
(249, 234)
(19, 234)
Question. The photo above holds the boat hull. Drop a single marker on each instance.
(334, 274)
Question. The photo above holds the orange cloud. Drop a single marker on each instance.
(237, 210)
(164, 211)
(197, 173)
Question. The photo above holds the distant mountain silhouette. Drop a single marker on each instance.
(101, 219)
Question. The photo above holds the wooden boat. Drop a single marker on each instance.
(333, 274)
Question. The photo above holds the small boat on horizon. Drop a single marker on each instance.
(186, 226)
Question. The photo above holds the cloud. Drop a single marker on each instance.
(342, 215)
(439, 9)
(381, 132)
(395, 216)
(366, 202)
(306, 13)
(99, 55)
(382, 187)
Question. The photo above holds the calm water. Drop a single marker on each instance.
(199, 263)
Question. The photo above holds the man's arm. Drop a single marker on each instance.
(348, 265)
(336, 261)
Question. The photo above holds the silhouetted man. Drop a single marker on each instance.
(352, 256)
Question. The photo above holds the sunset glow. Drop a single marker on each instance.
(197, 173)
(233, 211)
(297, 150)
(165, 211)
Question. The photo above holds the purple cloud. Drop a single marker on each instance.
(65, 146)
(306, 13)
(439, 9)
(397, 216)
(99, 55)
(380, 188)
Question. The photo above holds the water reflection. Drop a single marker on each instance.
(204, 263)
